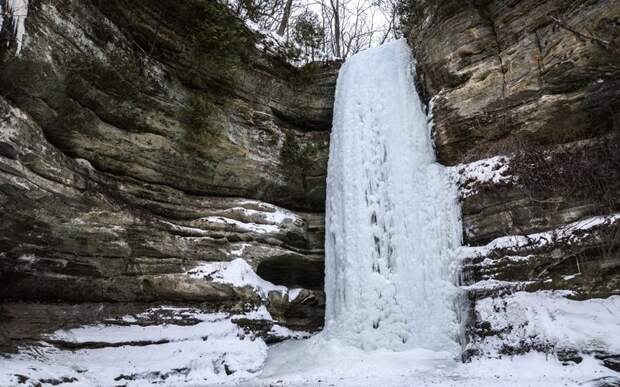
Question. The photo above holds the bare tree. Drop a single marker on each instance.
(348, 26)
(330, 20)
(353, 25)
(285, 18)
(266, 13)
(389, 9)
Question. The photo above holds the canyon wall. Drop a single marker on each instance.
(141, 140)
(146, 146)
(526, 106)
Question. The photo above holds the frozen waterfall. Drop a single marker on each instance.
(392, 215)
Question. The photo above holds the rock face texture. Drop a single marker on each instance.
(141, 140)
(543, 69)
(538, 83)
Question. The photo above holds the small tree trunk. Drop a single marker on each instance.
(337, 33)
(285, 16)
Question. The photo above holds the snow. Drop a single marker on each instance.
(294, 293)
(272, 42)
(392, 219)
(493, 284)
(281, 331)
(260, 313)
(237, 273)
(570, 277)
(28, 258)
(336, 365)
(569, 233)
(209, 325)
(18, 9)
(276, 216)
(239, 226)
(549, 320)
(188, 346)
(320, 362)
(518, 258)
(468, 177)
(213, 351)
(505, 259)
(192, 361)
(214, 324)
(268, 220)
(184, 229)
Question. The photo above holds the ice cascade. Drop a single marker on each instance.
(16, 11)
(392, 222)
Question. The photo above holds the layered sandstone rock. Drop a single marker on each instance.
(134, 149)
(537, 83)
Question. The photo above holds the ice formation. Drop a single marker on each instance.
(392, 222)
(17, 10)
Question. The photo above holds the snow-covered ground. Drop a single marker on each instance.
(550, 320)
(173, 346)
(543, 320)
(312, 363)
(163, 346)
(218, 353)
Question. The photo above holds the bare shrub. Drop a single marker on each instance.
(587, 171)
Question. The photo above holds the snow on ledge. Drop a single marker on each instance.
(493, 284)
(467, 177)
(210, 325)
(187, 347)
(239, 226)
(271, 214)
(282, 331)
(547, 319)
(570, 233)
(239, 273)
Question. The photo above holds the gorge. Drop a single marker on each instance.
(167, 212)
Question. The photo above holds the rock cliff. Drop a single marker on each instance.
(525, 104)
(137, 144)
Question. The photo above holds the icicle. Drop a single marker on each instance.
(17, 11)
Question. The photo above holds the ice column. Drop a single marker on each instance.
(392, 216)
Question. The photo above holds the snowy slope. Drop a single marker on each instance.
(548, 320)
(345, 366)
(167, 346)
